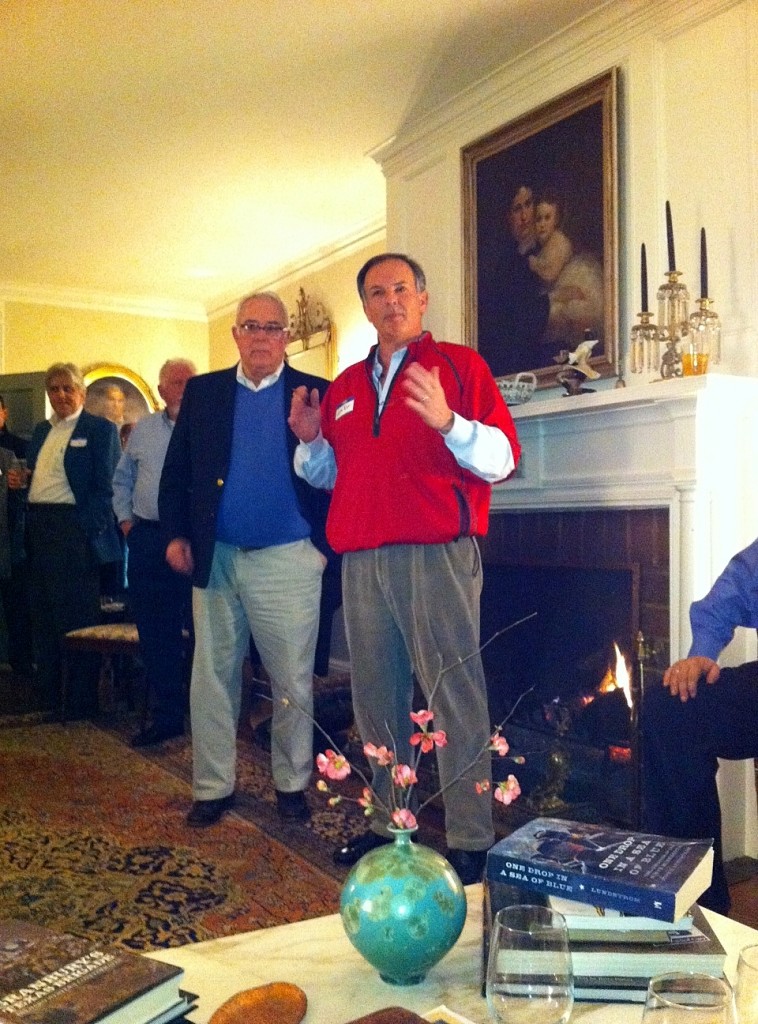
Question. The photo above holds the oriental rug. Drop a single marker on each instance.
(93, 841)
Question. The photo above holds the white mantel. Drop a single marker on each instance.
(687, 445)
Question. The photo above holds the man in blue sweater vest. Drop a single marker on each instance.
(250, 533)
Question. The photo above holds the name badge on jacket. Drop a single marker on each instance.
(78, 442)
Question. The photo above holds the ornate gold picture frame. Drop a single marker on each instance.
(540, 210)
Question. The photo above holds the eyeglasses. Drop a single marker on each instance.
(253, 327)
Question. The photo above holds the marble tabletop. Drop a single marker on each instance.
(340, 985)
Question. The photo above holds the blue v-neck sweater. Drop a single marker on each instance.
(259, 507)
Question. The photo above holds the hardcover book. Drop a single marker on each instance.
(698, 950)
(601, 924)
(638, 873)
(620, 971)
(49, 976)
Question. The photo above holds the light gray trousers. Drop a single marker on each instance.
(274, 593)
(414, 609)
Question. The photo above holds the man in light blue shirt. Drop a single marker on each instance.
(159, 597)
(715, 716)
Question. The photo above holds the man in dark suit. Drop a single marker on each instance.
(70, 528)
(250, 533)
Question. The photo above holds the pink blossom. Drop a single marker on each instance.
(404, 776)
(367, 800)
(429, 740)
(422, 718)
(381, 755)
(403, 818)
(506, 792)
(333, 765)
(483, 786)
(499, 744)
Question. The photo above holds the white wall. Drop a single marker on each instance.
(688, 132)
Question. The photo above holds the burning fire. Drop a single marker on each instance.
(618, 678)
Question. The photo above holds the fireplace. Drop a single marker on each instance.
(660, 477)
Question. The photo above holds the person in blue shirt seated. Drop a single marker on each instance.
(701, 713)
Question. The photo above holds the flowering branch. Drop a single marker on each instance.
(333, 765)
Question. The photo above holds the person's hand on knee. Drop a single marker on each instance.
(683, 676)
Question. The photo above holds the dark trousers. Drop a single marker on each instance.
(18, 621)
(64, 589)
(160, 600)
(681, 744)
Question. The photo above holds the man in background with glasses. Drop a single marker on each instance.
(235, 518)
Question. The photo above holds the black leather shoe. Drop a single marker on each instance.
(355, 848)
(153, 735)
(292, 806)
(467, 864)
(208, 812)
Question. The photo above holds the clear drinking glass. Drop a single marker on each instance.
(688, 999)
(746, 987)
(529, 974)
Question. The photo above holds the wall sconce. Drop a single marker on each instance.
(310, 326)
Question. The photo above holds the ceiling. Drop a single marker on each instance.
(179, 150)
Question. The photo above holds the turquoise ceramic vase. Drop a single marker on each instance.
(403, 907)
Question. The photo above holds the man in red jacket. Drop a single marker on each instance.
(410, 441)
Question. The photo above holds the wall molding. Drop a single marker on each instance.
(102, 302)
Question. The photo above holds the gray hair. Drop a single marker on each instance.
(418, 271)
(171, 364)
(264, 295)
(68, 370)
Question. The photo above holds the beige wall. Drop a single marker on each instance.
(36, 335)
(334, 287)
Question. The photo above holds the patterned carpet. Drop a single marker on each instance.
(93, 841)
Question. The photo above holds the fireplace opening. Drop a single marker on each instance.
(598, 578)
(559, 658)
(558, 681)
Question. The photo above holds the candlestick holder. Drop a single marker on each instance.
(703, 344)
(673, 323)
(644, 349)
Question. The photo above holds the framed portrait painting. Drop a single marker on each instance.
(540, 238)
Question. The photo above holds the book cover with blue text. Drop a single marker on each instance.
(638, 873)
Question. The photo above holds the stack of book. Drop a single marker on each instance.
(629, 900)
(47, 975)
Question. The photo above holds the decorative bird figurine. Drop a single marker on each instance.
(580, 356)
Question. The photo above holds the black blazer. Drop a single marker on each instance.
(89, 461)
(197, 463)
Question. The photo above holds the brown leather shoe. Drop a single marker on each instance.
(208, 812)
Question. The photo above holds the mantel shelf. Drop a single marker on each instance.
(677, 389)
